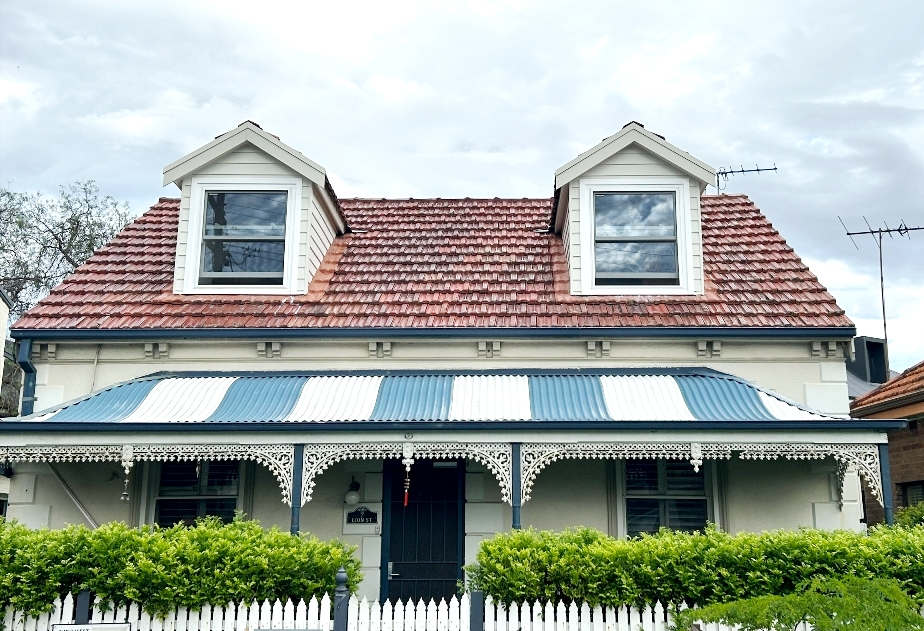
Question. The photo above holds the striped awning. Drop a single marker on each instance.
(667, 394)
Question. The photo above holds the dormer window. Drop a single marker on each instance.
(243, 234)
(635, 238)
(635, 235)
(243, 241)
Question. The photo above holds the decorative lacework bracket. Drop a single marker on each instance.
(534, 457)
(495, 456)
(277, 458)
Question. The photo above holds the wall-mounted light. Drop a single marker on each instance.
(352, 495)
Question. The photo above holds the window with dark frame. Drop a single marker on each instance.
(189, 490)
(664, 493)
(912, 492)
(4, 502)
(635, 238)
(243, 238)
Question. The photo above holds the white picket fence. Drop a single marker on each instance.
(316, 615)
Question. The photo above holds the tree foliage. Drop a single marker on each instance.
(827, 604)
(43, 238)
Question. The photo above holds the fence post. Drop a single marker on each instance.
(82, 607)
(341, 601)
(476, 611)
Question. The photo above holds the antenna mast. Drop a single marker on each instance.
(903, 230)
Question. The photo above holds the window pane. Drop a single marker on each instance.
(634, 215)
(170, 512)
(222, 478)
(682, 479)
(686, 514)
(635, 258)
(223, 508)
(642, 515)
(178, 478)
(255, 213)
(914, 493)
(243, 256)
(641, 476)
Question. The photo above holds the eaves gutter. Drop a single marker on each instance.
(889, 404)
(438, 332)
(340, 426)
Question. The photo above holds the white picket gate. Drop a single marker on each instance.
(362, 615)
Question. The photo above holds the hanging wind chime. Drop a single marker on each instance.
(407, 461)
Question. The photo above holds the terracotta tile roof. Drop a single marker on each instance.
(896, 390)
(445, 263)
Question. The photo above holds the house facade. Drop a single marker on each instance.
(900, 397)
(415, 375)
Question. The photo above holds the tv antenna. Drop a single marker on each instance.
(903, 230)
(722, 174)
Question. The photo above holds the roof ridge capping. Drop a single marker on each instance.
(634, 132)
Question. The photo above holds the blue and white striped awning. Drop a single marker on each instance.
(667, 394)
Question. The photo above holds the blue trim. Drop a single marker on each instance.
(413, 398)
(297, 463)
(254, 399)
(713, 398)
(566, 398)
(516, 500)
(441, 332)
(885, 476)
(110, 405)
(352, 426)
(24, 360)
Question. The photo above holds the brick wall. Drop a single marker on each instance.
(906, 457)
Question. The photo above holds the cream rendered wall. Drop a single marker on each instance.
(786, 367)
(316, 232)
(767, 495)
(633, 161)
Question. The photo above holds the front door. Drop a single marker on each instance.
(422, 542)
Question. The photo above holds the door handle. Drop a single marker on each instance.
(391, 570)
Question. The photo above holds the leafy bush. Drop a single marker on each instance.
(910, 515)
(162, 568)
(828, 604)
(696, 568)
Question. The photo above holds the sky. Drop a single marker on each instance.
(487, 99)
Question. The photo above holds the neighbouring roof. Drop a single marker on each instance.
(908, 387)
(858, 386)
(446, 263)
(656, 394)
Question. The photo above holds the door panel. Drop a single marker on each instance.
(424, 537)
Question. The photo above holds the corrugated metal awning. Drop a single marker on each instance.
(666, 394)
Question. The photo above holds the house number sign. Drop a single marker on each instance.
(362, 515)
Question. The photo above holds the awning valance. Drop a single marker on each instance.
(653, 394)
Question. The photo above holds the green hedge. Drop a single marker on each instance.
(696, 568)
(162, 568)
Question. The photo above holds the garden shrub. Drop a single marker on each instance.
(910, 515)
(695, 568)
(161, 568)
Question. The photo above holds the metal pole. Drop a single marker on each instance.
(297, 463)
(516, 499)
(82, 607)
(341, 601)
(476, 611)
(885, 329)
(885, 476)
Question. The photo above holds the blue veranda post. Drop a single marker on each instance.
(297, 463)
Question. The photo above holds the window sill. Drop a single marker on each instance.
(639, 290)
(244, 290)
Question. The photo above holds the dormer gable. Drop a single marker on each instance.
(628, 211)
(256, 216)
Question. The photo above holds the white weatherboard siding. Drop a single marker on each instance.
(315, 230)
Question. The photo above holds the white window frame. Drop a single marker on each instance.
(681, 189)
(201, 185)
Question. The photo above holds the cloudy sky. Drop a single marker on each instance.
(488, 98)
